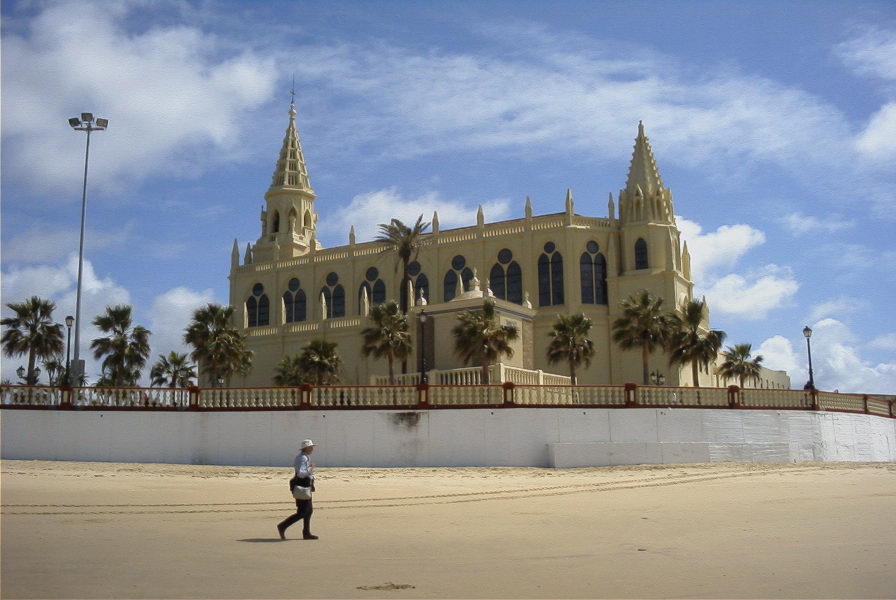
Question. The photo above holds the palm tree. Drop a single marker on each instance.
(218, 347)
(289, 372)
(32, 332)
(570, 342)
(644, 325)
(388, 336)
(480, 339)
(691, 342)
(173, 371)
(320, 362)
(125, 349)
(739, 364)
(405, 242)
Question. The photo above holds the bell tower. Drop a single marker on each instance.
(288, 219)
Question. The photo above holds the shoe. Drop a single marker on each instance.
(282, 531)
(308, 536)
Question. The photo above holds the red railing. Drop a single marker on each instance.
(437, 396)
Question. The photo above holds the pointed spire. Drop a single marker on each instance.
(480, 217)
(642, 171)
(291, 171)
(528, 208)
(569, 201)
(645, 198)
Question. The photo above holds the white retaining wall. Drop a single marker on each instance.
(562, 437)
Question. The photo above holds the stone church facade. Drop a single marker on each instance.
(287, 289)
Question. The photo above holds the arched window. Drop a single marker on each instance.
(421, 282)
(506, 278)
(593, 271)
(459, 272)
(334, 296)
(275, 224)
(376, 289)
(550, 276)
(295, 305)
(640, 254)
(258, 307)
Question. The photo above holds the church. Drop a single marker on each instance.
(286, 289)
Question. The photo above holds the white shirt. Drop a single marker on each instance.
(303, 466)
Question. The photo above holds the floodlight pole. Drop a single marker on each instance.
(83, 123)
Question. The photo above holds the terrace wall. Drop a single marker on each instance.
(489, 436)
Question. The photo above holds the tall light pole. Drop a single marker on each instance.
(69, 321)
(86, 123)
(808, 333)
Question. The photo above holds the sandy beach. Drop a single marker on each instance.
(729, 530)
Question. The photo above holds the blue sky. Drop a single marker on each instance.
(773, 123)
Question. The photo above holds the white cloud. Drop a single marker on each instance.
(799, 224)
(718, 250)
(878, 140)
(778, 355)
(871, 54)
(752, 296)
(59, 284)
(884, 342)
(169, 316)
(366, 211)
(173, 93)
(837, 307)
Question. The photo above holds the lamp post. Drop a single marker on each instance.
(423, 378)
(810, 385)
(657, 378)
(31, 377)
(86, 123)
(69, 321)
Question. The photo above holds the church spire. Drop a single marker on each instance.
(642, 171)
(291, 171)
(288, 219)
(645, 198)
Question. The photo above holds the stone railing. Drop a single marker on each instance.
(498, 373)
(438, 395)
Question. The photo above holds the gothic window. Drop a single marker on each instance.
(458, 272)
(593, 271)
(421, 282)
(376, 289)
(295, 305)
(506, 278)
(258, 307)
(550, 276)
(275, 227)
(334, 296)
(640, 254)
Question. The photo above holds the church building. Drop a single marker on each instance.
(287, 289)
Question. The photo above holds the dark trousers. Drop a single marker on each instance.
(304, 508)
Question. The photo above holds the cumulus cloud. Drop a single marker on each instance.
(715, 255)
(753, 295)
(173, 93)
(366, 211)
(717, 250)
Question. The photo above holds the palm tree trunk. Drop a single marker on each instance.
(572, 372)
(696, 373)
(644, 358)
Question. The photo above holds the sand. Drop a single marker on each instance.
(108, 530)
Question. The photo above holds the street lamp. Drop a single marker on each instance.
(69, 321)
(657, 378)
(32, 376)
(423, 378)
(86, 123)
(810, 385)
